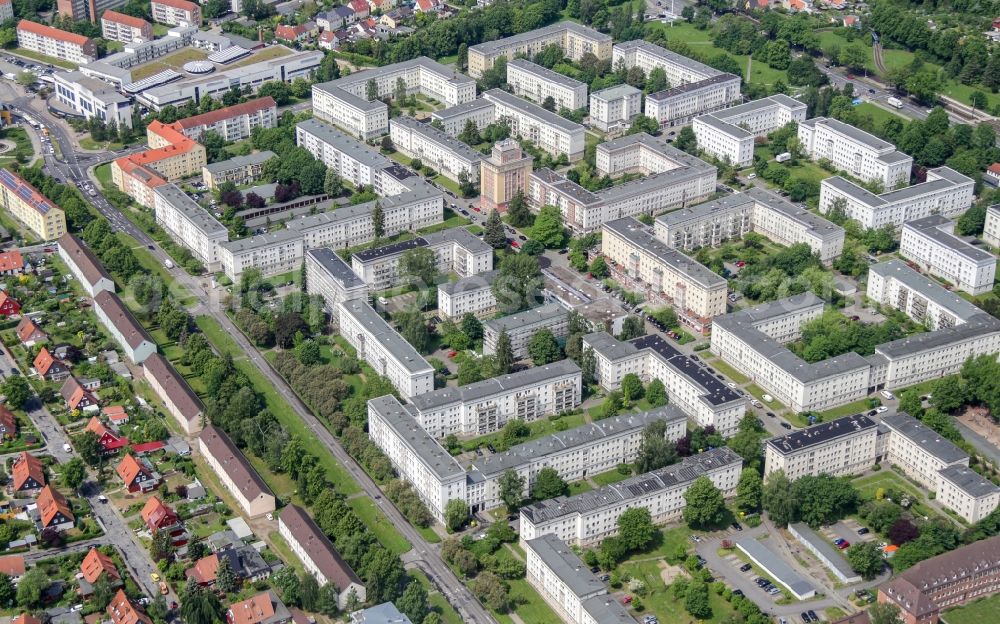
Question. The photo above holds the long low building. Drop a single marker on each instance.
(232, 123)
(825, 552)
(189, 224)
(60, 44)
(521, 326)
(388, 353)
(551, 133)
(690, 385)
(538, 84)
(729, 134)
(859, 153)
(455, 250)
(777, 568)
(434, 148)
(486, 406)
(945, 192)
(669, 178)
(893, 284)
(235, 472)
(329, 276)
(756, 210)
(170, 386)
(586, 519)
(273, 253)
(574, 39)
(84, 265)
(128, 332)
(932, 244)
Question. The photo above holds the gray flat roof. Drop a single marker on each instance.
(296, 60)
(924, 437)
(479, 281)
(398, 346)
(544, 72)
(775, 566)
(525, 320)
(402, 422)
(461, 109)
(256, 158)
(192, 211)
(583, 435)
(854, 134)
(339, 88)
(935, 227)
(739, 110)
(832, 555)
(438, 136)
(613, 93)
(567, 567)
(335, 266)
(637, 234)
(723, 126)
(666, 94)
(668, 56)
(343, 143)
(528, 108)
(894, 157)
(975, 327)
(899, 270)
(491, 47)
(853, 190)
(969, 481)
(261, 240)
(606, 610)
(821, 433)
(480, 390)
(350, 212)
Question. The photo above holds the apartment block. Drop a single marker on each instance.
(756, 210)
(6, 10)
(548, 131)
(678, 105)
(503, 174)
(574, 39)
(330, 277)
(919, 451)
(468, 295)
(729, 134)
(456, 250)
(454, 118)
(117, 26)
(176, 12)
(384, 349)
(273, 253)
(235, 472)
(345, 102)
(680, 70)
(586, 519)
(435, 148)
(130, 335)
(845, 446)
(171, 157)
(232, 123)
(669, 179)
(84, 265)
(945, 192)
(536, 83)
(895, 285)
(56, 43)
(568, 586)
(690, 385)
(93, 98)
(863, 155)
(931, 243)
(664, 274)
(137, 181)
(32, 209)
(967, 493)
(991, 230)
(486, 406)
(520, 327)
(318, 555)
(614, 108)
(189, 224)
(353, 161)
(240, 170)
(179, 399)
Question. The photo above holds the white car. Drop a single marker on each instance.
(270, 516)
(67, 447)
(731, 384)
(881, 409)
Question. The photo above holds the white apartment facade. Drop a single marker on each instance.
(919, 451)
(455, 250)
(991, 229)
(435, 148)
(232, 123)
(844, 446)
(453, 119)
(189, 224)
(895, 285)
(93, 98)
(945, 192)
(680, 104)
(520, 327)
(729, 134)
(330, 277)
(117, 26)
(54, 42)
(550, 132)
(176, 12)
(574, 39)
(272, 253)
(863, 155)
(352, 161)
(931, 243)
(679, 69)
(468, 295)
(384, 349)
(614, 108)
(536, 83)
(967, 493)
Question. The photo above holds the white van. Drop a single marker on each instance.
(887, 395)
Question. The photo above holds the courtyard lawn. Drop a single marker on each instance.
(887, 478)
(531, 609)
(539, 428)
(451, 220)
(857, 407)
(378, 524)
(609, 477)
(658, 600)
(448, 183)
(267, 54)
(728, 370)
(579, 487)
(771, 405)
(975, 612)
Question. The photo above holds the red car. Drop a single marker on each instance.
(627, 600)
(452, 354)
(515, 244)
(843, 545)
(476, 208)
(741, 263)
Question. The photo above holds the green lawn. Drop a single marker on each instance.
(771, 405)
(51, 60)
(857, 407)
(539, 428)
(888, 478)
(103, 175)
(728, 371)
(878, 114)
(438, 602)
(451, 220)
(658, 600)
(976, 612)
(22, 146)
(378, 524)
(609, 477)
(579, 487)
(160, 29)
(152, 265)
(531, 609)
(90, 144)
(448, 183)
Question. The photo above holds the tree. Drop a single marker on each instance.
(378, 220)
(865, 559)
(89, 447)
(599, 268)
(549, 103)
(328, 600)
(822, 499)
(636, 528)
(511, 490)
(17, 390)
(8, 593)
(517, 211)
(73, 474)
(696, 598)
(471, 326)
(656, 393)
(777, 498)
(200, 606)
(902, 531)
(333, 184)
(491, 589)
(631, 387)
(286, 581)
(493, 232)
(371, 90)
(505, 353)
(642, 123)
(657, 80)
(456, 514)
(518, 284)
(420, 265)
(548, 484)
(162, 546)
(543, 347)
(948, 394)
(686, 140)
(853, 57)
(225, 577)
(413, 602)
(704, 504)
(30, 587)
(632, 327)
(548, 227)
(655, 451)
(749, 491)
(884, 613)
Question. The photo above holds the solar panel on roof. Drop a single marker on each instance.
(160, 78)
(228, 55)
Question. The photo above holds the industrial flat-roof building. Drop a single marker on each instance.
(776, 567)
(931, 243)
(821, 548)
(89, 97)
(729, 134)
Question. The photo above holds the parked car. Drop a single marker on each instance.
(745, 567)
(844, 545)
(863, 531)
(627, 600)
(786, 425)
(736, 526)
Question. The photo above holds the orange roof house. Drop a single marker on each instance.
(30, 334)
(109, 440)
(53, 510)
(116, 414)
(25, 618)
(135, 475)
(76, 396)
(49, 367)
(290, 33)
(97, 563)
(264, 608)
(8, 423)
(11, 262)
(122, 611)
(8, 305)
(28, 473)
(204, 570)
(157, 515)
(12, 566)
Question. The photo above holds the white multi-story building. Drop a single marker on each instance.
(536, 83)
(346, 103)
(522, 326)
(863, 155)
(384, 349)
(174, 12)
(568, 586)
(756, 210)
(946, 192)
(574, 39)
(588, 518)
(679, 69)
(273, 253)
(931, 243)
(435, 148)
(550, 132)
(232, 123)
(453, 119)
(189, 224)
(239, 170)
(56, 43)
(330, 277)
(666, 275)
(468, 295)
(967, 493)
(991, 229)
(919, 451)
(690, 385)
(895, 285)
(117, 26)
(352, 161)
(6, 10)
(614, 108)
(680, 104)
(456, 250)
(670, 179)
(729, 134)
(89, 97)
(844, 446)
(486, 406)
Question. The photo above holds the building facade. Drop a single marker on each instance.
(232, 123)
(318, 555)
(455, 251)
(538, 84)
(548, 131)
(435, 148)
(729, 134)
(273, 253)
(895, 285)
(176, 12)
(863, 155)
(845, 446)
(931, 243)
(235, 472)
(520, 327)
(991, 229)
(189, 224)
(574, 39)
(93, 98)
(468, 295)
(130, 335)
(503, 174)
(680, 104)
(45, 220)
(56, 43)
(614, 108)
(240, 170)
(328, 276)
(117, 26)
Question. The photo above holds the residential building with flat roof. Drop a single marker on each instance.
(861, 154)
(844, 446)
(690, 385)
(587, 518)
(729, 134)
(176, 12)
(232, 123)
(117, 26)
(680, 104)
(945, 192)
(966, 492)
(240, 170)
(919, 451)
(503, 174)
(548, 131)
(435, 148)
(991, 229)
(273, 253)
(89, 98)
(614, 108)
(384, 349)
(330, 277)
(456, 250)
(353, 161)
(468, 295)
(486, 406)
(536, 83)
(478, 111)
(680, 70)
(42, 217)
(574, 39)
(521, 326)
(189, 224)
(895, 285)
(235, 472)
(931, 243)
(56, 43)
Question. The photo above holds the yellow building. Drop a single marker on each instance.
(46, 220)
(502, 175)
(170, 155)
